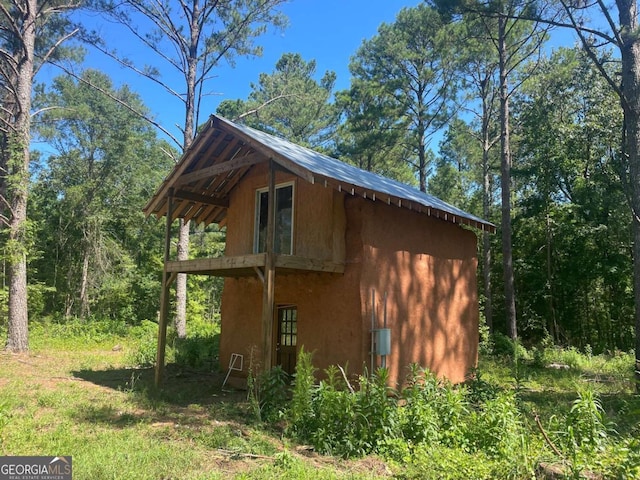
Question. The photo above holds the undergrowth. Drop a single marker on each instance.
(481, 429)
(522, 409)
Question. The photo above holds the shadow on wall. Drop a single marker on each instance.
(428, 270)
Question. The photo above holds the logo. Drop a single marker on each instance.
(35, 468)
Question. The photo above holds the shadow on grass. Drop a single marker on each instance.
(191, 406)
(181, 386)
(183, 391)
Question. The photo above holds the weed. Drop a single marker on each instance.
(301, 410)
(272, 396)
(194, 351)
(4, 419)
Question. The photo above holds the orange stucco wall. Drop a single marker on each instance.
(426, 267)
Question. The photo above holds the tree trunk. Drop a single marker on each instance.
(486, 242)
(553, 321)
(505, 182)
(630, 56)
(84, 283)
(18, 334)
(180, 320)
(486, 210)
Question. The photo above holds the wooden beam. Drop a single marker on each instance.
(198, 198)
(259, 274)
(268, 152)
(155, 204)
(268, 288)
(293, 262)
(164, 297)
(219, 168)
(288, 166)
(200, 265)
(224, 266)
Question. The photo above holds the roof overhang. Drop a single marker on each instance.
(223, 152)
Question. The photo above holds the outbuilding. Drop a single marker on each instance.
(357, 268)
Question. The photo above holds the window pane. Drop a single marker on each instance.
(284, 220)
(284, 204)
(263, 205)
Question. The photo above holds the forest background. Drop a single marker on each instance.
(425, 105)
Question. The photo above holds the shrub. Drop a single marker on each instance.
(479, 390)
(418, 420)
(375, 409)
(194, 352)
(495, 428)
(505, 347)
(301, 410)
(267, 393)
(272, 397)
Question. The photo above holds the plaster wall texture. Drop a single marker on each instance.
(427, 268)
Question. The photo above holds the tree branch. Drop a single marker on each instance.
(139, 72)
(592, 55)
(265, 104)
(46, 56)
(120, 102)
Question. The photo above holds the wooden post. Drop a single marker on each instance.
(268, 288)
(164, 297)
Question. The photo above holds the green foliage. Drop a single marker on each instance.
(146, 345)
(496, 427)
(267, 393)
(406, 72)
(90, 331)
(427, 412)
(571, 233)
(585, 422)
(199, 349)
(301, 409)
(272, 387)
(504, 346)
(96, 250)
(289, 103)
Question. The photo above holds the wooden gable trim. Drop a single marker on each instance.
(154, 203)
(281, 160)
(204, 199)
(223, 167)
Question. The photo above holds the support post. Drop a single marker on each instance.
(164, 297)
(268, 288)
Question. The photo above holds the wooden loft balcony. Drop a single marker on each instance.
(246, 265)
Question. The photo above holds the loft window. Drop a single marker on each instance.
(283, 241)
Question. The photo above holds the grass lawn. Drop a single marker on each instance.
(78, 394)
(82, 399)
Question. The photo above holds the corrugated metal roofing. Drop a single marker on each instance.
(222, 141)
(320, 164)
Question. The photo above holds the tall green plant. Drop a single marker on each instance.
(301, 409)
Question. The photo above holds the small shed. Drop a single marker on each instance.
(357, 268)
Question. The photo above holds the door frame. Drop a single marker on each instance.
(278, 334)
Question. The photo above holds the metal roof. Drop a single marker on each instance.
(223, 141)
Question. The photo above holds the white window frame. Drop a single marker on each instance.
(256, 215)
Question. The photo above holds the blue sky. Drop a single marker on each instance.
(328, 31)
